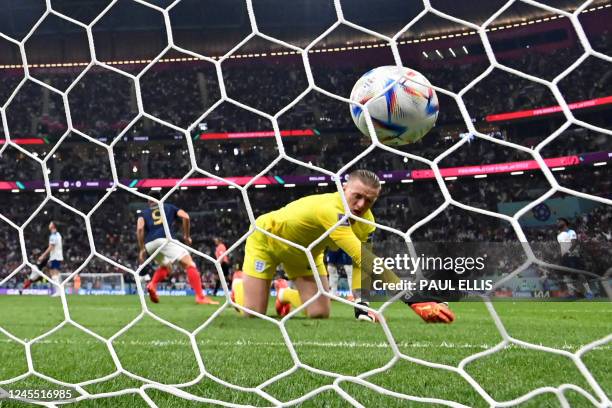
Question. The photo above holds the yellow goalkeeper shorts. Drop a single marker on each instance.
(263, 254)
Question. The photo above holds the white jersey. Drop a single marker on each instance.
(57, 254)
(565, 239)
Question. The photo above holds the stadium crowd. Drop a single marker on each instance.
(87, 161)
(104, 103)
(221, 213)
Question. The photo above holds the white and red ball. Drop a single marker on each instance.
(402, 114)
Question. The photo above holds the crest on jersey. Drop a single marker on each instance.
(260, 266)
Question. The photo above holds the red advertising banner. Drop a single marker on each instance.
(497, 168)
(393, 176)
(498, 117)
(254, 135)
(8, 185)
(203, 182)
(26, 141)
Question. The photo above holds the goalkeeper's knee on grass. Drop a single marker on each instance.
(288, 298)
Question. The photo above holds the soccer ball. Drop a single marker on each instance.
(401, 115)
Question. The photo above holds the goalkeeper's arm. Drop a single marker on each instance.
(345, 238)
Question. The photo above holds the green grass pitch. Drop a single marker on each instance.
(247, 352)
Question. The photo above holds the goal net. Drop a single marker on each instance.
(95, 283)
(215, 169)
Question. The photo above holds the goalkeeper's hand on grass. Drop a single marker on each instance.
(365, 315)
(433, 312)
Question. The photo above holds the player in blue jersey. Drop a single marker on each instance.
(151, 236)
(336, 260)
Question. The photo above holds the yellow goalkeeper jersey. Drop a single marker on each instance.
(302, 222)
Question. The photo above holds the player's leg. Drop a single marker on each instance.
(54, 272)
(195, 280)
(332, 270)
(35, 275)
(349, 277)
(227, 273)
(305, 289)
(28, 282)
(217, 285)
(252, 291)
(161, 273)
(225, 270)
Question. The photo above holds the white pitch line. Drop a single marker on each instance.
(325, 344)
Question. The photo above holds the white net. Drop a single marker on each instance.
(598, 397)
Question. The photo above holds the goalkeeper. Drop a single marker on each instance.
(302, 222)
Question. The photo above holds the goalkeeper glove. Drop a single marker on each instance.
(433, 312)
(365, 315)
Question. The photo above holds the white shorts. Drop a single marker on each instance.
(35, 275)
(169, 254)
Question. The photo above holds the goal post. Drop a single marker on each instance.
(95, 284)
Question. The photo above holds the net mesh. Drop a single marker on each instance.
(597, 398)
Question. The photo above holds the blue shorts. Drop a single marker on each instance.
(338, 258)
(55, 265)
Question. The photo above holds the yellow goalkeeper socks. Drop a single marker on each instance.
(288, 295)
(238, 293)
